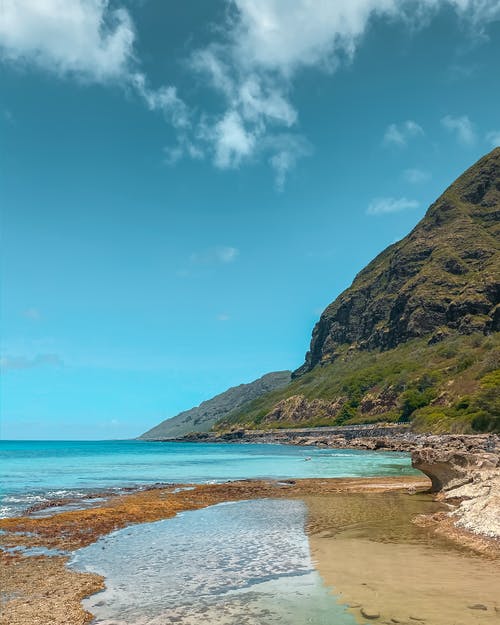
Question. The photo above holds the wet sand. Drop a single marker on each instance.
(368, 550)
(73, 529)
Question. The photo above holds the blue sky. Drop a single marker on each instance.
(185, 186)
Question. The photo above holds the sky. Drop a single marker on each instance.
(185, 186)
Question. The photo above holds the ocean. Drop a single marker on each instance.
(33, 472)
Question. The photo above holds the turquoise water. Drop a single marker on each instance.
(34, 471)
(244, 563)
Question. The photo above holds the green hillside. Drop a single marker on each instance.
(448, 386)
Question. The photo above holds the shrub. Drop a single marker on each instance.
(484, 422)
(346, 413)
(464, 362)
(412, 399)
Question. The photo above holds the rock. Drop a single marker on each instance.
(369, 613)
(426, 284)
(449, 469)
(469, 476)
(477, 606)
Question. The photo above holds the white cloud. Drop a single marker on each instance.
(286, 35)
(386, 205)
(400, 134)
(254, 110)
(32, 313)
(461, 127)
(287, 149)
(85, 38)
(183, 147)
(221, 254)
(493, 138)
(226, 254)
(250, 64)
(22, 362)
(90, 40)
(416, 176)
(232, 141)
(264, 43)
(164, 99)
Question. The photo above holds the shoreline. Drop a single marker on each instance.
(464, 468)
(41, 589)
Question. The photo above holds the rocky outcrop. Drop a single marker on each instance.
(478, 510)
(203, 417)
(297, 408)
(467, 479)
(444, 276)
(449, 469)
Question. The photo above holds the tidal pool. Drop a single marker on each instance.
(368, 549)
(323, 560)
(244, 563)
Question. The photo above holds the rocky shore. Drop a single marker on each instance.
(464, 469)
(40, 589)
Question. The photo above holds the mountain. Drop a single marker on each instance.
(415, 337)
(203, 417)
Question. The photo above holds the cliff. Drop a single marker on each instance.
(443, 276)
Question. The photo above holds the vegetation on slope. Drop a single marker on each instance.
(443, 276)
(449, 386)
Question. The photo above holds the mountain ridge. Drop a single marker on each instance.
(202, 417)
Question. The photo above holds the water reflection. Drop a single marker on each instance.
(366, 547)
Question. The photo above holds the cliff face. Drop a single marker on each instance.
(443, 277)
(202, 418)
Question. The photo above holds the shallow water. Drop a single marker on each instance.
(36, 471)
(368, 548)
(239, 563)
